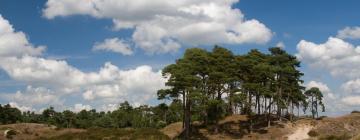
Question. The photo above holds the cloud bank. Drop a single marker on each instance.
(50, 81)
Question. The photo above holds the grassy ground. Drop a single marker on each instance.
(340, 128)
(32, 131)
(113, 134)
(236, 127)
(231, 127)
(173, 130)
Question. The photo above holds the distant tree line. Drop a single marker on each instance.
(217, 83)
(125, 116)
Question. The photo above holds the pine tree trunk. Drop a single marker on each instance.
(269, 114)
(184, 108)
(231, 110)
(291, 115)
(317, 113)
(187, 119)
(298, 109)
(312, 107)
(278, 104)
(264, 106)
(258, 104)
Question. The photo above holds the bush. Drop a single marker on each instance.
(27, 131)
(333, 137)
(148, 134)
(313, 133)
(321, 118)
(10, 133)
(355, 111)
(161, 124)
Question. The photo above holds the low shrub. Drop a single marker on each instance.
(334, 137)
(313, 133)
(355, 111)
(321, 117)
(10, 134)
(27, 131)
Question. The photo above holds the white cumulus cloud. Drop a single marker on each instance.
(20, 107)
(352, 86)
(349, 33)
(80, 107)
(351, 100)
(108, 82)
(162, 26)
(55, 79)
(340, 58)
(13, 43)
(109, 107)
(31, 97)
(280, 45)
(114, 45)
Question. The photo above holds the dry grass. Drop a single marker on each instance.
(173, 130)
(231, 127)
(113, 134)
(233, 119)
(348, 125)
(31, 131)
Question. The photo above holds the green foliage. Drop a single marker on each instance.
(315, 99)
(216, 110)
(125, 116)
(104, 121)
(9, 114)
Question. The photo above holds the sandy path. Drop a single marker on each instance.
(301, 133)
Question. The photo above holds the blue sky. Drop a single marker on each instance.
(70, 36)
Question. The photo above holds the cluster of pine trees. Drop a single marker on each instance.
(211, 85)
(125, 116)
